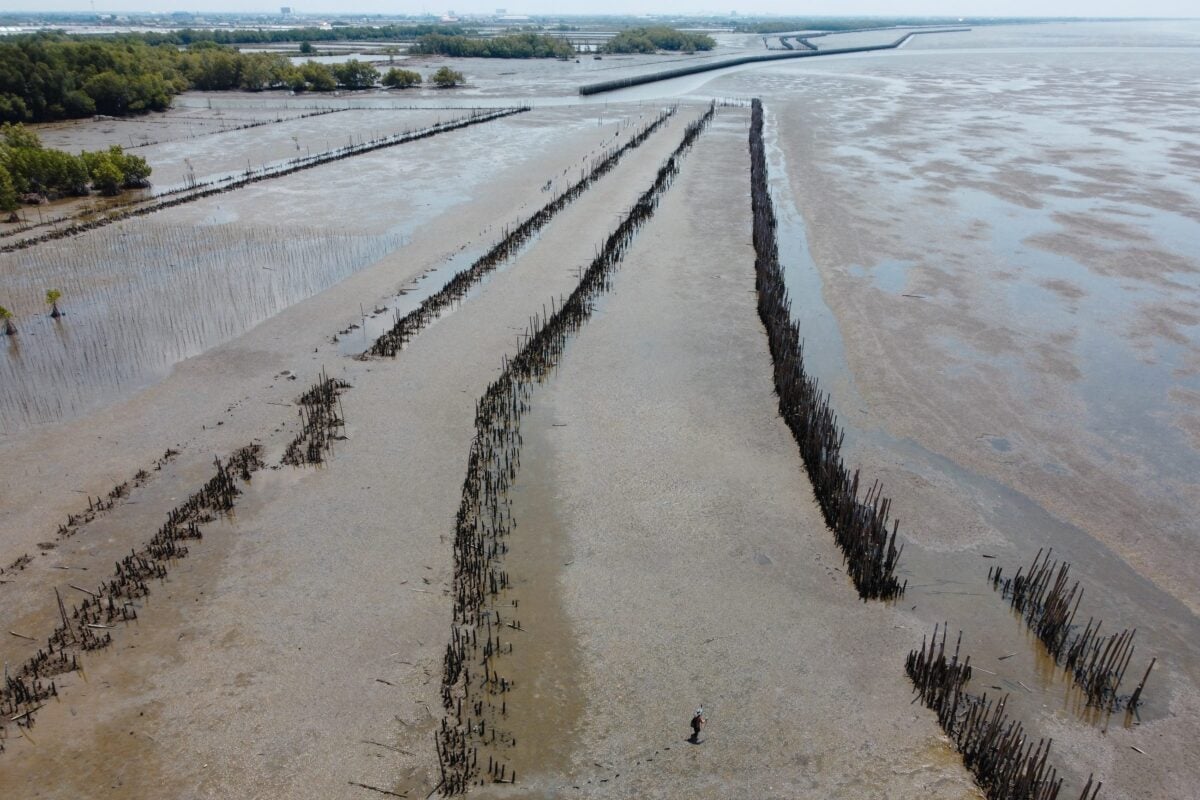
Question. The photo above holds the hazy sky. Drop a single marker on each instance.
(949, 8)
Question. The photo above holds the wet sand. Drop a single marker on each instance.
(210, 270)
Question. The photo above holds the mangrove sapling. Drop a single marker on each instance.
(9, 328)
(52, 298)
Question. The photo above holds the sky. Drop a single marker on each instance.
(947, 8)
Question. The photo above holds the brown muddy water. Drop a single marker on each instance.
(545, 705)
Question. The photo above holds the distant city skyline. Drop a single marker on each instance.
(943, 8)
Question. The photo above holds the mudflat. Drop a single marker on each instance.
(694, 566)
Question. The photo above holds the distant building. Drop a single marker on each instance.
(500, 12)
(285, 10)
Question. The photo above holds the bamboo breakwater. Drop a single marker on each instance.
(693, 69)
(1005, 762)
(87, 626)
(115, 495)
(253, 124)
(1097, 665)
(319, 422)
(860, 527)
(404, 328)
(199, 191)
(474, 692)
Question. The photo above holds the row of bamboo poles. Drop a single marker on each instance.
(25, 692)
(860, 526)
(473, 690)
(87, 626)
(404, 328)
(115, 495)
(199, 190)
(994, 748)
(257, 123)
(1006, 763)
(320, 422)
(1097, 665)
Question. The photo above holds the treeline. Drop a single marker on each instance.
(29, 171)
(380, 33)
(514, 45)
(653, 39)
(49, 77)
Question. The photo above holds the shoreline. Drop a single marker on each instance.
(680, 72)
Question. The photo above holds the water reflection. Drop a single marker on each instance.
(140, 297)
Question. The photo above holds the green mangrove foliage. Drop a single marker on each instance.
(401, 78)
(28, 168)
(514, 45)
(446, 78)
(6, 317)
(355, 74)
(50, 76)
(653, 39)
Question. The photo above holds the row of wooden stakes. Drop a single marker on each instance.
(475, 701)
(860, 526)
(320, 422)
(197, 191)
(404, 328)
(119, 492)
(87, 626)
(1006, 763)
(1048, 605)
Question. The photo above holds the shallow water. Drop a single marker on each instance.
(143, 294)
(140, 297)
(1000, 222)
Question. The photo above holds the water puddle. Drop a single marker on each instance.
(375, 322)
(544, 708)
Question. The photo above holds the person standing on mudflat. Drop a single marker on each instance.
(698, 721)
